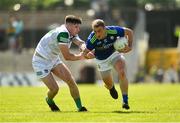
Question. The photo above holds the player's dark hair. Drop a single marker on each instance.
(73, 19)
(97, 23)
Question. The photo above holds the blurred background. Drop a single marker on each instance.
(156, 48)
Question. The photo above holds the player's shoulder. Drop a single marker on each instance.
(62, 28)
(63, 35)
(111, 29)
(62, 31)
(114, 29)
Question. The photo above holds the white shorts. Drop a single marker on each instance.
(42, 67)
(107, 64)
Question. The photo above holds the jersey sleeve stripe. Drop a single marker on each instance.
(63, 39)
(112, 31)
(93, 39)
(62, 42)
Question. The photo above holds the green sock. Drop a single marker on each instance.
(78, 103)
(49, 101)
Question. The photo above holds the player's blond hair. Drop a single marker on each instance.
(97, 23)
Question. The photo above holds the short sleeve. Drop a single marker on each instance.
(120, 31)
(63, 37)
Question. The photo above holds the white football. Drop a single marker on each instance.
(120, 43)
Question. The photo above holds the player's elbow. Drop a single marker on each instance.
(130, 32)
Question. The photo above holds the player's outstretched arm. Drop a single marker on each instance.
(68, 55)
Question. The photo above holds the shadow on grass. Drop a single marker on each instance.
(126, 112)
(120, 112)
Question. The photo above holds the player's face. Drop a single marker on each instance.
(100, 32)
(74, 29)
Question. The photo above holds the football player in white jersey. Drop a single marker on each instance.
(46, 60)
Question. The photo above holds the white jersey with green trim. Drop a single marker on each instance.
(48, 45)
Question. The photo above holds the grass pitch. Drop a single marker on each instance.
(148, 102)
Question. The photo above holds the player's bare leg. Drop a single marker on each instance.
(121, 69)
(107, 79)
(50, 82)
(63, 73)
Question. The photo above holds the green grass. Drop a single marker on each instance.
(148, 102)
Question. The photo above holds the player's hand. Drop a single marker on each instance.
(90, 55)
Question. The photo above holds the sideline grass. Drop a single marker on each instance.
(148, 102)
